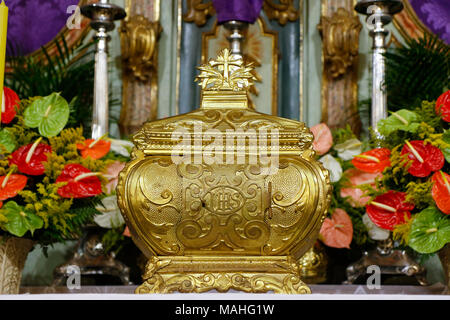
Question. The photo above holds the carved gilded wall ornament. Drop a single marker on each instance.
(198, 12)
(139, 38)
(340, 39)
(224, 224)
(340, 29)
(139, 45)
(283, 12)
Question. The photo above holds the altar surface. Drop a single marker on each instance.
(325, 292)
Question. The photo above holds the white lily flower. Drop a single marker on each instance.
(348, 149)
(333, 166)
(111, 216)
(375, 232)
(121, 147)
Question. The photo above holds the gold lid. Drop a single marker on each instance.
(224, 112)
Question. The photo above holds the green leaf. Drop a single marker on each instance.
(430, 231)
(404, 120)
(446, 139)
(20, 220)
(7, 140)
(50, 114)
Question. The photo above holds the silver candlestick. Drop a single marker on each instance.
(90, 258)
(103, 15)
(379, 14)
(236, 36)
(391, 261)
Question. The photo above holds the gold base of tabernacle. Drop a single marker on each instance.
(196, 274)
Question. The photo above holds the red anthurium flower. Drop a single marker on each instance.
(30, 158)
(443, 106)
(373, 161)
(81, 182)
(389, 209)
(441, 191)
(11, 184)
(95, 149)
(9, 102)
(425, 158)
(337, 232)
(1, 204)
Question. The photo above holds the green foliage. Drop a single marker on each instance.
(403, 120)
(419, 193)
(69, 71)
(7, 141)
(49, 114)
(416, 72)
(341, 135)
(430, 231)
(113, 240)
(19, 220)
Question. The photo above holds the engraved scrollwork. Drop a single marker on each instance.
(223, 282)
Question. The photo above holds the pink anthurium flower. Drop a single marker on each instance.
(112, 174)
(358, 178)
(337, 232)
(323, 139)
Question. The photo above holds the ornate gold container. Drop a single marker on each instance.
(224, 197)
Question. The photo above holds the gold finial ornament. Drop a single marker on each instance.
(224, 197)
(227, 72)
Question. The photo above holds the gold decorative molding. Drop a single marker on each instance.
(340, 41)
(198, 12)
(283, 12)
(202, 274)
(339, 88)
(139, 38)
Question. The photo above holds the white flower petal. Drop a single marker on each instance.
(111, 216)
(121, 147)
(348, 149)
(375, 232)
(333, 166)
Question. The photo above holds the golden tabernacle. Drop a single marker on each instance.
(224, 197)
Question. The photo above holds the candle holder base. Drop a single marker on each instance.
(391, 261)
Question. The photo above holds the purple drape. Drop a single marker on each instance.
(435, 14)
(34, 23)
(241, 10)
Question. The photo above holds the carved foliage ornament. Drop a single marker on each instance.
(284, 11)
(340, 36)
(138, 42)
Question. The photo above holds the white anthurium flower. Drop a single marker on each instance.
(348, 149)
(122, 147)
(110, 216)
(375, 232)
(333, 166)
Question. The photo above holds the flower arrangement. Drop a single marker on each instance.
(400, 184)
(411, 197)
(53, 181)
(344, 224)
